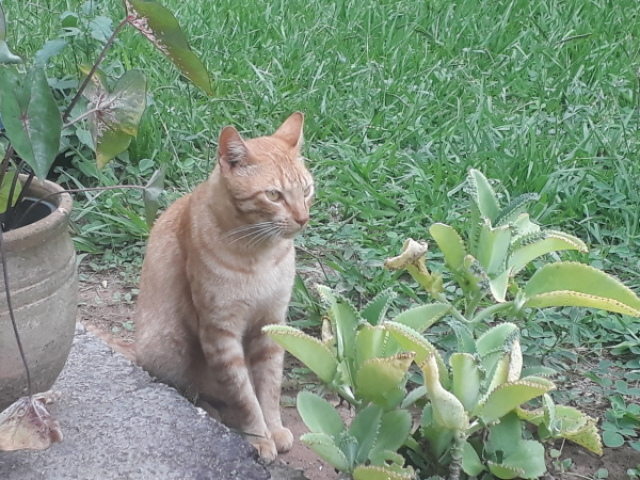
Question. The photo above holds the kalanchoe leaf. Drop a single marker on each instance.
(159, 25)
(344, 322)
(551, 241)
(507, 397)
(31, 118)
(150, 195)
(515, 208)
(420, 318)
(326, 448)
(374, 342)
(6, 55)
(471, 463)
(493, 248)
(412, 341)
(376, 472)
(450, 243)
(310, 351)
(499, 285)
(483, 195)
(465, 379)
(504, 472)
(381, 380)
(448, 412)
(395, 427)
(575, 284)
(376, 309)
(364, 428)
(318, 414)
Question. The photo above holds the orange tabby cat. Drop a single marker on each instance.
(219, 266)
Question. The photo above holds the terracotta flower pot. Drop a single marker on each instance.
(44, 292)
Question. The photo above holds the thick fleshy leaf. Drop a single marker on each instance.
(159, 25)
(551, 242)
(422, 317)
(493, 248)
(515, 208)
(412, 341)
(471, 463)
(483, 195)
(364, 428)
(566, 422)
(507, 397)
(494, 339)
(381, 380)
(150, 195)
(372, 342)
(325, 448)
(395, 427)
(31, 118)
(448, 411)
(528, 458)
(309, 350)
(376, 309)
(318, 414)
(575, 284)
(376, 472)
(450, 243)
(6, 55)
(5, 190)
(499, 285)
(344, 321)
(465, 379)
(116, 115)
(504, 472)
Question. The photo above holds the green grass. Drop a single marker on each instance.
(401, 98)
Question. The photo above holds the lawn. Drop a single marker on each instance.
(401, 99)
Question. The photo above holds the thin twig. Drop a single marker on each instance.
(7, 292)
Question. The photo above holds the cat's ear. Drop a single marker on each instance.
(291, 130)
(232, 151)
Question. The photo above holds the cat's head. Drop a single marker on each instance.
(267, 182)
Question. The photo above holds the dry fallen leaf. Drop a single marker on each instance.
(27, 424)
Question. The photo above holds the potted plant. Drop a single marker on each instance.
(39, 281)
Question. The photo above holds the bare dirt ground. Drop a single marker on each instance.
(106, 309)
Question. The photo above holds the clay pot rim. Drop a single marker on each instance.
(41, 230)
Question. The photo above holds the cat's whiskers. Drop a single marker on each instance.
(248, 231)
(270, 233)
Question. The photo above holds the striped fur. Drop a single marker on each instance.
(219, 266)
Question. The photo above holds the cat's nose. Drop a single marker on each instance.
(301, 219)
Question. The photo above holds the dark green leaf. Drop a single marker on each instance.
(31, 118)
(160, 26)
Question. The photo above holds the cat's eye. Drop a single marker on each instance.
(307, 191)
(273, 195)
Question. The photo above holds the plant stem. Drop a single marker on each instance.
(87, 79)
(489, 311)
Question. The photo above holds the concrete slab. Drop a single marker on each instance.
(119, 424)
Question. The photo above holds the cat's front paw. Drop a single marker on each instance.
(266, 448)
(283, 439)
